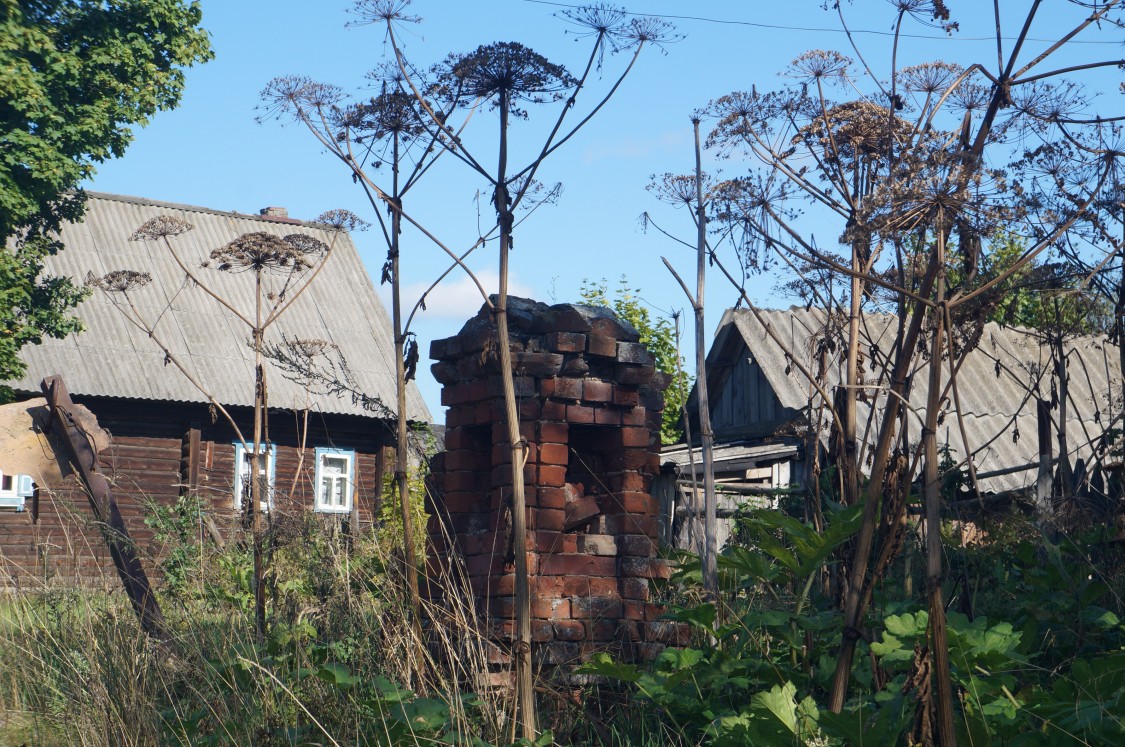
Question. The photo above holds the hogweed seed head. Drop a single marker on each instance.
(259, 252)
(306, 244)
(929, 77)
(383, 11)
(818, 64)
(648, 30)
(598, 18)
(506, 71)
(342, 220)
(161, 226)
(118, 281)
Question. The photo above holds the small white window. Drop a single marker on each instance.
(266, 471)
(335, 480)
(15, 490)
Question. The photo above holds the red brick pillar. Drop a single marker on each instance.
(590, 403)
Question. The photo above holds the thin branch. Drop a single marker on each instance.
(206, 290)
(676, 275)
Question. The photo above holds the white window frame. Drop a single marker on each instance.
(240, 462)
(15, 490)
(321, 504)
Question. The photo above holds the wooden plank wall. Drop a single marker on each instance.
(61, 545)
(746, 405)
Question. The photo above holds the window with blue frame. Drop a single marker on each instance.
(267, 470)
(335, 480)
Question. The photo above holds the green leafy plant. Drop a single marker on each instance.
(1040, 661)
(177, 528)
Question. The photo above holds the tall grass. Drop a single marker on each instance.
(340, 663)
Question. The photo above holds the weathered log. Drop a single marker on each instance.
(74, 426)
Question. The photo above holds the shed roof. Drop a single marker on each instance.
(114, 358)
(998, 383)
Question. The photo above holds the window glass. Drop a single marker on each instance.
(334, 480)
(242, 484)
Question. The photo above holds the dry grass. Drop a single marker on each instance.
(75, 668)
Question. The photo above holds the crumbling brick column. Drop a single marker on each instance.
(590, 403)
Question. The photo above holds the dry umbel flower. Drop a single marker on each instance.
(819, 64)
(383, 11)
(312, 347)
(259, 252)
(507, 71)
(306, 244)
(342, 220)
(678, 189)
(160, 227)
(860, 129)
(118, 281)
(929, 77)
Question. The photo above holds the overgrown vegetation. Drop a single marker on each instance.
(1037, 647)
(869, 612)
(339, 664)
(1037, 642)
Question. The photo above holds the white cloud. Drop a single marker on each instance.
(457, 297)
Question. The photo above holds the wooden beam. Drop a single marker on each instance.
(129, 567)
(191, 454)
(190, 461)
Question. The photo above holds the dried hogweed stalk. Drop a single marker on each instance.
(342, 220)
(311, 348)
(648, 30)
(819, 64)
(383, 11)
(678, 189)
(160, 227)
(118, 281)
(507, 70)
(306, 244)
(929, 77)
(260, 251)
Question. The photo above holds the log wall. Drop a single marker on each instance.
(154, 458)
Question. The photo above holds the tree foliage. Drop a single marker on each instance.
(75, 77)
(659, 336)
(1041, 295)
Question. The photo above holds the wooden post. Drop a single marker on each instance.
(191, 453)
(121, 548)
(189, 462)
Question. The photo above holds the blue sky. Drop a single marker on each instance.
(211, 152)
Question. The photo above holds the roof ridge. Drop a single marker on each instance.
(147, 201)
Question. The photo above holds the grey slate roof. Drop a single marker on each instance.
(113, 358)
(993, 405)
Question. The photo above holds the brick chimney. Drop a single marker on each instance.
(590, 404)
(274, 212)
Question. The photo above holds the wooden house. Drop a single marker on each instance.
(156, 435)
(771, 425)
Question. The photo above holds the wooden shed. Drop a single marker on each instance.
(157, 436)
(759, 397)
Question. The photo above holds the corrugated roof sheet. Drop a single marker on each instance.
(998, 383)
(114, 358)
